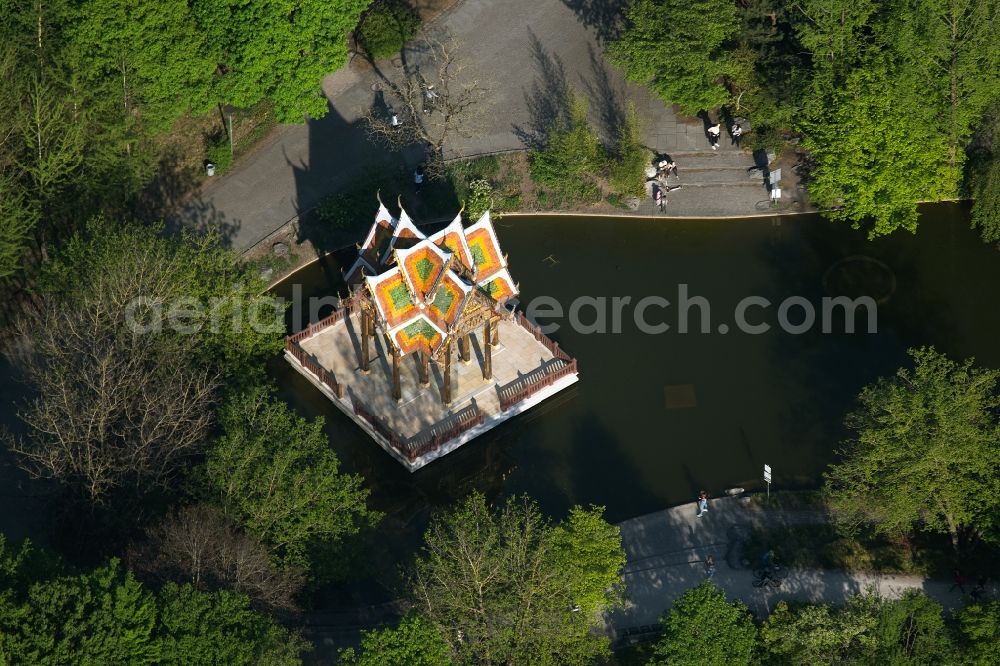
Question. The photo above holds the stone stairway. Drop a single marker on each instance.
(711, 183)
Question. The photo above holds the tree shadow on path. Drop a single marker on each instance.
(604, 17)
(548, 100)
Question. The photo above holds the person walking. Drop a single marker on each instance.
(418, 178)
(959, 582)
(713, 135)
(702, 503)
(709, 566)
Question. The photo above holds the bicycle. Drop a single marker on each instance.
(778, 205)
(768, 576)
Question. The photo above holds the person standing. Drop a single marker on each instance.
(709, 566)
(713, 135)
(702, 503)
(737, 134)
(418, 178)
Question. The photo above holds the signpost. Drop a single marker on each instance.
(767, 479)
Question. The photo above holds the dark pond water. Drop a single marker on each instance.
(654, 418)
(657, 417)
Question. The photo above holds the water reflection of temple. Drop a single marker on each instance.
(385, 357)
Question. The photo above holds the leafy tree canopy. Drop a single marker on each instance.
(979, 633)
(507, 586)
(162, 279)
(275, 473)
(677, 49)
(986, 210)
(703, 627)
(100, 617)
(415, 642)
(865, 135)
(220, 628)
(278, 51)
(867, 630)
(924, 453)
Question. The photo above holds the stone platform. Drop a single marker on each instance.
(527, 368)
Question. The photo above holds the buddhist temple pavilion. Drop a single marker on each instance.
(385, 357)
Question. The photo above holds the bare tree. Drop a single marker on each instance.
(199, 545)
(436, 98)
(112, 407)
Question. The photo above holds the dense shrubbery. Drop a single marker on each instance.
(52, 615)
(572, 165)
(702, 627)
(386, 27)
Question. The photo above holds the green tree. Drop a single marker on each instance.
(979, 633)
(867, 630)
(924, 453)
(572, 155)
(278, 51)
(146, 62)
(703, 627)
(808, 634)
(415, 642)
(836, 32)
(100, 617)
(16, 224)
(986, 209)
(219, 628)
(234, 321)
(507, 586)
(949, 55)
(911, 630)
(628, 165)
(274, 472)
(678, 50)
(863, 136)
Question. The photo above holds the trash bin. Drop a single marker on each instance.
(210, 169)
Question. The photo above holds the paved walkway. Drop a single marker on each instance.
(666, 553)
(526, 50)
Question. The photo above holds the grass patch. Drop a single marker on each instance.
(251, 125)
(386, 27)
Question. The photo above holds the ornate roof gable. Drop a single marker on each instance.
(452, 239)
(484, 248)
(423, 265)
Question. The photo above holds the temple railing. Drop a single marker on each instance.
(310, 364)
(545, 340)
(348, 306)
(525, 387)
(427, 441)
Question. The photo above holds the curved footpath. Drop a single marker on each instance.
(525, 50)
(666, 553)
